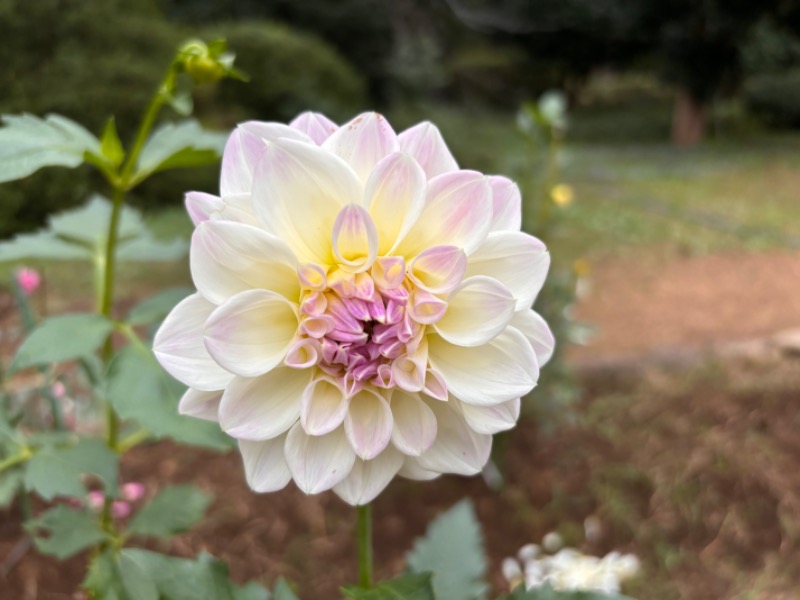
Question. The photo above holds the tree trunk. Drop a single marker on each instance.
(688, 120)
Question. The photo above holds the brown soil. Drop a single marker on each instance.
(696, 473)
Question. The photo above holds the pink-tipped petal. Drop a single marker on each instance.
(318, 463)
(368, 424)
(492, 419)
(425, 143)
(298, 191)
(250, 334)
(395, 197)
(265, 467)
(457, 449)
(435, 386)
(315, 125)
(506, 204)
(363, 142)
(414, 428)
(534, 327)
(355, 239)
(200, 205)
(426, 308)
(203, 405)
(438, 270)
(389, 272)
(303, 354)
(263, 407)
(178, 346)
(312, 277)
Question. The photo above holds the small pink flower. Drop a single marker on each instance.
(95, 500)
(133, 491)
(28, 280)
(58, 389)
(120, 509)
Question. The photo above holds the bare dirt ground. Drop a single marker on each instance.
(696, 472)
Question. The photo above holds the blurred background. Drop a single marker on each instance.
(657, 144)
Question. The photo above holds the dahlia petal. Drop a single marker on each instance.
(439, 269)
(200, 404)
(303, 354)
(503, 369)
(458, 212)
(363, 142)
(425, 143)
(263, 407)
(491, 419)
(395, 197)
(265, 467)
(323, 406)
(318, 463)
(389, 272)
(243, 150)
(237, 208)
(534, 327)
(178, 346)
(369, 477)
(355, 239)
(506, 204)
(315, 125)
(250, 334)
(435, 386)
(408, 372)
(227, 258)
(412, 470)
(457, 449)
(477, 311)
(425, 308)
(517, 260)
(414, 428)
(368, 424)
(298, 191)
(200, 205)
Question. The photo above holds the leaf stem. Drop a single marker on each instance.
(16, 459)
(364, 537)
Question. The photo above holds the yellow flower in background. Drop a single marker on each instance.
(562, 194)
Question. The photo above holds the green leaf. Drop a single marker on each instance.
(408, 587)
(120, 577)
(110, 144)
(43, 244)
(136, 581)
(157, 307)
(10, 485)
(174, 510)
(62, 338)
(56, 470)
(68, 531)
(146, 248)
(28, 143)
(88, 224)
(138, 388)
(283, 591)
(173, 146)
(546, 592)
(452, 549)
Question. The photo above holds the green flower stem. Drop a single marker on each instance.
(364, 536)
(16, 459)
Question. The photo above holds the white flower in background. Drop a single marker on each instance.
(363, 306)
(568, 569)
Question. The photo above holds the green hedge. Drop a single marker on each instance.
(775, 98)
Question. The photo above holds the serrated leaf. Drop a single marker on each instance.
(452, 549)
(173, 510)
(202, 578)
(28, 143)
(110, 144)
(157, 307)
(56, 470)
(184, 144)
(10, 485)
(62, 338)
(546, 592)
(138, 388)
(408, 587)
(67, 531)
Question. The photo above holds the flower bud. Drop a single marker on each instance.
(28, 280)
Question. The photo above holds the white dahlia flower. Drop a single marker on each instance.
(362, 306)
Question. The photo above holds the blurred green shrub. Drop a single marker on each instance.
(774, 98)
(290, 72)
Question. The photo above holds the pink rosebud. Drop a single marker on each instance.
(95, 500)
(28, 280)
(133, 491)
(58, 389)
(120, 510)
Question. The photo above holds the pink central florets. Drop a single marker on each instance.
(365, 329)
